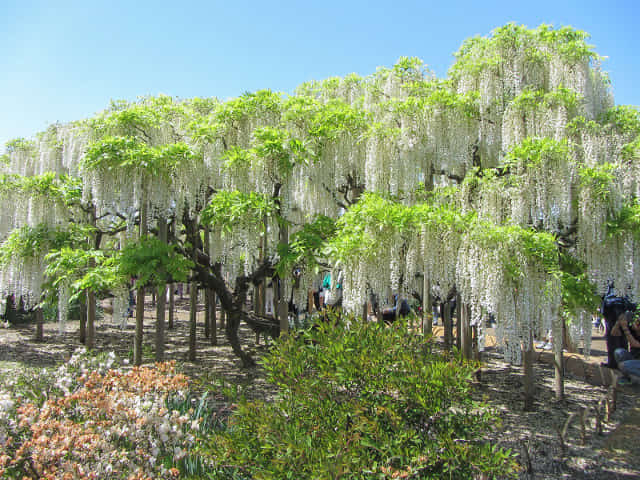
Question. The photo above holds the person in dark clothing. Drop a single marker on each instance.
(611, 309)
(389, 314)
(628, 326)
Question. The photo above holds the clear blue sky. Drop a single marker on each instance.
(64, 60)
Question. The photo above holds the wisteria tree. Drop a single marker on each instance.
(513, 183)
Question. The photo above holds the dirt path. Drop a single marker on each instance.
(533, 435)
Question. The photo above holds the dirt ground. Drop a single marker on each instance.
(535, 436)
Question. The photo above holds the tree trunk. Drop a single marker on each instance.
(458, 317)
(160, 322)
(91, 320)
(427, 307)
(83, 319)
(137, 342)
(465, 332)
(211, 301)
(172, 304)
(477, 355)
(233, 323)
(39, 325)
(207, 303)
(137, 345)
(207, 315)
(193, 305)
(558, 365)
(283, 305)
(448, 327)
(283, 316)
(529, 378)
(161, 302)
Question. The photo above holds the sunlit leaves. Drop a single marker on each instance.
(153, 262)
(83, 270)
(35, 242)
(537, 152)
(228, 209)
(20, 145)
(130, 154)
(598, 180)
(626, 220)
(305, 248)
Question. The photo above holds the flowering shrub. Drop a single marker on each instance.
(97, 421)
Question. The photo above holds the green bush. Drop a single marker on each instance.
(366, 402)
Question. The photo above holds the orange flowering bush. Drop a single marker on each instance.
(100, 422)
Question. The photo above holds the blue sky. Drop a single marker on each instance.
(64, 60)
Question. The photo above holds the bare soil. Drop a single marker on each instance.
(535, 436)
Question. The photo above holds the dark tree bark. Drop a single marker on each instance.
(211, 319)
(138, 337)
(83, 320)
(39, 325)
(465, 332)
(448, 325)
(193, 305)
(529, 377)
(233, 322)
(91, 320)
(458, 318)
(161, 302)
(172, 305)
(558, 366)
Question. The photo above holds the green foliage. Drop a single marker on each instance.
(20, 145)
(536, 153)
(361, 402)
(410, 69)
(306, 246)
(64, 189)
(336, 118)
(367, 224)
(83, 270)
(534, 99)
(276, 148)
(126, 119)
(435, 95)
(578, 292)
(35, 242)
(567, 41)
(262, 102)
(128, 154)
(112, 153)
(631, 151)
(153, 262)
(598, 180)
(621, 119)
(517, 245)
(479, 53)
(227, 209)
(625, 119)
(626, 220)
